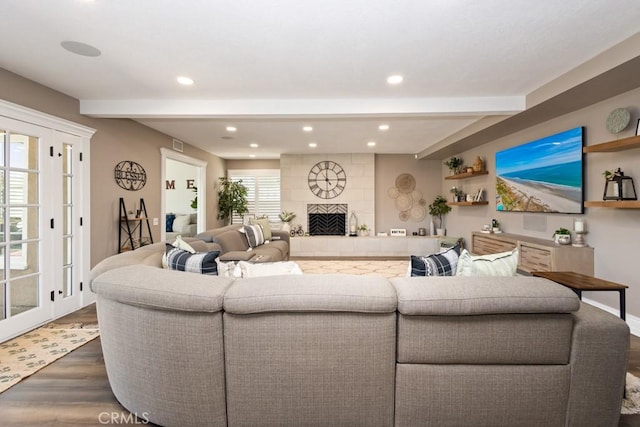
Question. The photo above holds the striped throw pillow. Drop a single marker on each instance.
(254, 235)
(199, 262)
(441, 264)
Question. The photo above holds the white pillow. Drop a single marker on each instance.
(500, 264)
(268, 268)
(228, 269)
(181, 222)
(180, 244)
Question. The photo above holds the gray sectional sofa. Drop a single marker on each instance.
(342, 350)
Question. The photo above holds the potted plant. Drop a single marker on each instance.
(363, 230)
(439, 209)
(458, 194)
(562, 236)
(194, 202)
(454, 164)
(232, 198)
(286, 218)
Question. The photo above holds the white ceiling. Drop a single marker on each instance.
(270, 67)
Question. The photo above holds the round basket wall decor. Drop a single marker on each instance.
(405, 183)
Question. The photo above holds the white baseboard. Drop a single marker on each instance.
(632, 321)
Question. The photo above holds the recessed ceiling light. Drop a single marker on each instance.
(253, 145)
(81, 49)
(307, 128)
(184, 80)
(231, 129)
(395, 79)
(371, 143)
(252, 155)
(383, 127)
(313, 145)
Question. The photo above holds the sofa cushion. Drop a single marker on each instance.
(500, 264)
(264, 224)
(180, 223)
(469, 296)
(254, 235)
(440, 264)
(199, 262)
(231, 240)
(316, 293)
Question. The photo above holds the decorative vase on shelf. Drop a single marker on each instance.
(432, 228)
(286, 227)
(441, 232)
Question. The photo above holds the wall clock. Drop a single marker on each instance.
(327, 179)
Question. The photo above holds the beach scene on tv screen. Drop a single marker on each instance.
(541, 176)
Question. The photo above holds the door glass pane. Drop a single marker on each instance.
(67, 281)
(24, 294)
(24, 223)
(3, 262)
(3, 299)
(23, 151)
(24, 259)
(67, 251)
(3, 138)
(23, 188)
(67, 226)
(66, 190)
(2, 185)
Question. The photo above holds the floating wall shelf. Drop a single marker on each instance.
(467, 203)
(466, 175)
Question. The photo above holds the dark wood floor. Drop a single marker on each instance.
(75, 391)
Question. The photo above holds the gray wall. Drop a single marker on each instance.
(613, 233)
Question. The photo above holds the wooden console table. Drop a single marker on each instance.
(535, 254)
(581, 282)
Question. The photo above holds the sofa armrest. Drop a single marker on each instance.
(599, 360)
(156, 288)
(280, 235)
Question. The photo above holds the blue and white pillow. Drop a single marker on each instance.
(199, 262)
(440, 264)
(254, 235)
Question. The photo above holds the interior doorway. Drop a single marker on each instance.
(184, 190)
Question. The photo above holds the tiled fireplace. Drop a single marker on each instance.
(327, 219)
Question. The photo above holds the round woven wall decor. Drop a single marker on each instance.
(405, 183)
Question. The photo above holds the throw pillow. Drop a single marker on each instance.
(180, 223)
(253, 234)
(169, 222)
(249, 269)
(180, 244)
(228, 269)
(440, 264)
(500, 264)
(200, 262)
(264, 223)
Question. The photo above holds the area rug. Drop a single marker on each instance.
(631, 402)
(25, 355)
(388, 269)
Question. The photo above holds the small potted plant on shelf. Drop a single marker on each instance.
(454, 164)
(363, 230)
(439, 208)
(286, 218)
(458, 194)
(562, 236)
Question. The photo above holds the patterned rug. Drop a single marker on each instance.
(388, 269)
(28, 353)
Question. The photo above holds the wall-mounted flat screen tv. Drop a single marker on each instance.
(545, 175)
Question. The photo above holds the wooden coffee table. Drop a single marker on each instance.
(581, 282)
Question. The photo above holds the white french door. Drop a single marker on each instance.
(42, 202)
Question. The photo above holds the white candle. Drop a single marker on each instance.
(578, 225)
